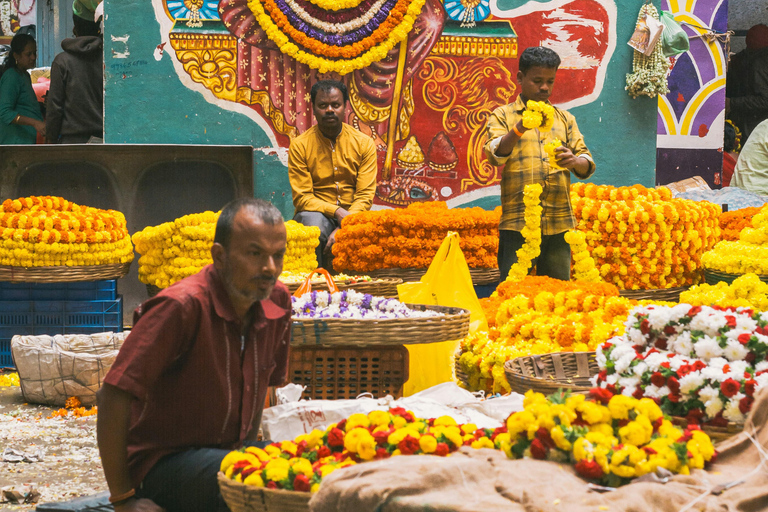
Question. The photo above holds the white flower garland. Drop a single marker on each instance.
(335, 28)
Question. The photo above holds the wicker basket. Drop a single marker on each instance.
(547, 373)
(480, 276)
(381, 287)
(453, 325)
(247, 498)
(660, 294)
(716, 434)
(715, 276)
(462, 377)
(340, 373)
(63, 274)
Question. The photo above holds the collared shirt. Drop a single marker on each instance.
(197, 381)
(751, 172)
(529, 163)
(326, 174)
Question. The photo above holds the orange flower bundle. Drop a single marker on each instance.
(643, 238)
(731, 223)
(410, 237)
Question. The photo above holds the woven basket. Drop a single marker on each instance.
(660, 294)
(381, 287)
(247, 498)
(344, 372)
(715, 276)
(462, 377)
(453, 325)
(547, 373)
(716, 434)
(63, 274)
(480, 276)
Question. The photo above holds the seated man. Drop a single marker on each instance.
(332, 168)
(190, 381)
(751, 172)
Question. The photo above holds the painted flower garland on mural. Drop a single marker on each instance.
(378, 10)
(333, 49)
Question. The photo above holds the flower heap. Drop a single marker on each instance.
(748, 254)
(352, 304)
(46, 231)
(610, 439)
(642, 238)
(732, 222)
(73, 408)
(540, 315)
(410, 237)
(539, 114)
(178, 249)
(338, 36)
(9, 379)
(697, 361)
(293, 277)
(531, 233)
(301, 464)
(745, 291)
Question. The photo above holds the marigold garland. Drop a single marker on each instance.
(749, 254)
(539, 114)
(181, 248)
(46, 231)
(410, 237)
(343, 66)
(336, 5)
(531, 233)
(584, 265)
(732, 222)
(642, 238)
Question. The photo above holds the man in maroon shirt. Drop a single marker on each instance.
(190, 381)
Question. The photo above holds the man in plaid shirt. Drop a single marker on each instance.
(521, 152)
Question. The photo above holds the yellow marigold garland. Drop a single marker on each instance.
(584, 265)
(178, 249)
(531, 233)
(340, 66)
(410, 237)
(336, 5)
(539, 114)
(47, 231)
(749, 254)
(643, 238)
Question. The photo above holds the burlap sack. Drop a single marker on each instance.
(54, 368)
(485, 480)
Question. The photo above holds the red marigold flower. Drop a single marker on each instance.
(545, 437)
(323, 451)
(730, 387)
(400, 411)
(658, 380)
(684, 370)
(272, 485)
(409, 445)
(745, 404)
(590, 470)
(744, 338)
(638, 393)
(674, 385)
(695, 416)
(381, 453)
(749, 387)
(442, 449)
(538, 450)
(601, 395)
(336, 437)
(694, 311)
(698, 365)
(301, 483)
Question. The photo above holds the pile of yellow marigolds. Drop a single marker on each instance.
(178, 249)
(643, 238)
(748, 254)
(46, 231)
(410, 237)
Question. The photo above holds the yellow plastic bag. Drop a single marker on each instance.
(446, 283)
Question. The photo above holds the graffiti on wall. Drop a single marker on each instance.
(425, 102)
(692, 114)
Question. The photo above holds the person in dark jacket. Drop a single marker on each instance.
(747, 82)
(75, 99)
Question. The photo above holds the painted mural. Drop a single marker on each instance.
(692, 115)
(423, 94)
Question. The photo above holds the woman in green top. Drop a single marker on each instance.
(20, 116)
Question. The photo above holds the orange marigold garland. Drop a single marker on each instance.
(643, 238)
(731, 223)
(410, 237)
(46, 231)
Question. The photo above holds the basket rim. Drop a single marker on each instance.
(715, 272)
(450, 313)
(9, 273)
(234, 484)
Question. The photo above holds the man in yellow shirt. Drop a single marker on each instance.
(521, 152)
(332, 168)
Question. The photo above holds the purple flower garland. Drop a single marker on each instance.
(342, 16)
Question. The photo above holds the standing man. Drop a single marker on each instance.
(190, 381)
(521, 152)
(332, 168)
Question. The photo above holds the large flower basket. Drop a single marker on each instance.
(546, 373)
(715, 276)
(248, 498)
(452, 325)
(480, 276)
(63, 274)
(462, 377)
(659, 294)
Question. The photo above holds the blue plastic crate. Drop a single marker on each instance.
(81, 290)
(60, 317)
(5, 353)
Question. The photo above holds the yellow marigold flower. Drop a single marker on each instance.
(620, 405)
(428, 443)
(483, 442)
(357, 420)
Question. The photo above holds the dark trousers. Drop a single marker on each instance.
(186, 481)
(327, 226)
(554, 260)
